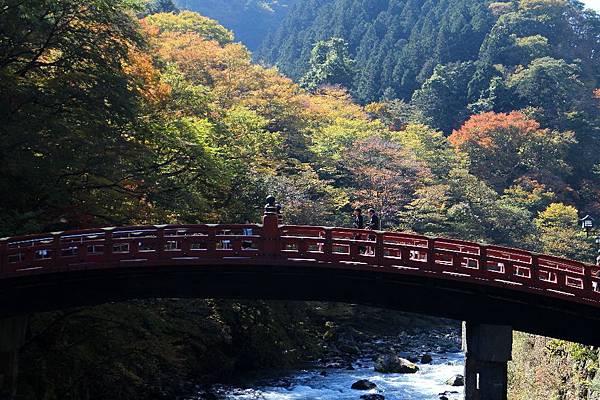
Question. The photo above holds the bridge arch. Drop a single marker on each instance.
(436, 276)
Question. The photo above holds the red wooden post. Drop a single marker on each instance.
(108, 246)
(328, 246)
(379, 250)
(431, 254)
(211, 242)
(535, 271)
(185, 245)
(55, 250)
(160, 242)
(587, 280)
(3, 260)
(482, 258)
(82, 252)
(270, 237)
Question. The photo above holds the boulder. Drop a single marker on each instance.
(448, 393)
(456, 380)
(348, 348)
(372, 396)
(363, 384)
(413, 358)
(426, 358)
(394, 364)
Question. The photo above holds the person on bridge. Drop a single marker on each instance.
(373, 223)
(359, 222)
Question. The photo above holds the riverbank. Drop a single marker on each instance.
(351, 348)
(166, 349)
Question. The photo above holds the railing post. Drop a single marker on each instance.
(82, 252)
(186, 245)
(379, 250)
(108, 246)
(55, 250)
(431, 254)
(587, 279)
(211, 242)
(535, 270)
(160, 242)
(270, 238)
(328, 245)
(482, 258)
(3, 256)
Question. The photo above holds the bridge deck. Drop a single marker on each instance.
(270, 244)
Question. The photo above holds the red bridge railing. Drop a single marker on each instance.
(274, 244)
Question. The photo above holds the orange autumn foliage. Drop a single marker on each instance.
(146, 77)
(480, 129)
(503, 147)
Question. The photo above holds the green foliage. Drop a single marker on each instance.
(159, 348)
(548, 83)
(330, 64)
(559, 233)
(430, 146)
(443, 97)
(396, 43)
(158, 6)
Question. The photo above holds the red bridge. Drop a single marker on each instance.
(451, 278)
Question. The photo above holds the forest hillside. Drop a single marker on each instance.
(251, 20)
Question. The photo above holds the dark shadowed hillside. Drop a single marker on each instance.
(250, 20)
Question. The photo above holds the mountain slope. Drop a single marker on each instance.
(396, 43)
(250, 20)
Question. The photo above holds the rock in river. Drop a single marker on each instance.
(373, 396)
(394, 364)
(456, 380)
(426, 358)
(363, 384)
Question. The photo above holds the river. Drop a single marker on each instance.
(335, 384)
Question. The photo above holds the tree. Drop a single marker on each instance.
(503, 147)
(465, 207)
(443, 97)
(58, 90)
(396, 114)
(548, 83)
(330, 64)
(396, 44)
(188, 21)
(559, 233)
(159, 6)
(384, 176)
(429, 146)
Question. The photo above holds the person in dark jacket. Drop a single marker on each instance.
(373, 223)
(359, 222)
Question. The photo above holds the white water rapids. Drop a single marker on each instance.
(427, 384)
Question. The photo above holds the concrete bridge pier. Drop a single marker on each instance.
(12, 336)
(488, 348)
